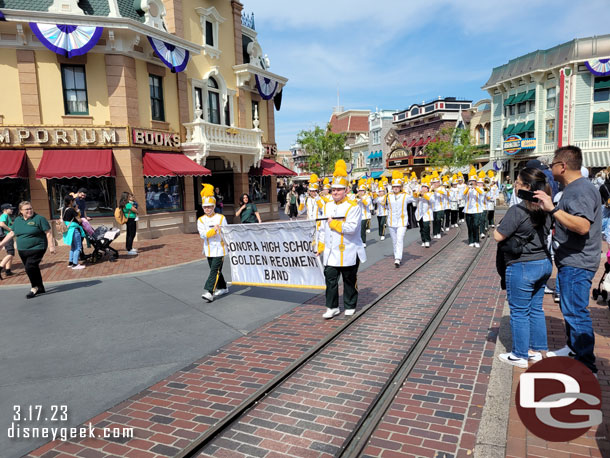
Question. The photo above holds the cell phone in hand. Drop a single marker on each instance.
(526, 195)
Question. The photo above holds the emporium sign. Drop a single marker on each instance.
(62, 137)
(514, 144)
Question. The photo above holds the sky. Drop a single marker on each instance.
(390, 54)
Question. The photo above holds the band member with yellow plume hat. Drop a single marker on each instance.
(340, 245)
(473, 210)
(313, 203)
(382, 207)
(437, 201)
(364, 200)
(492, 197)
(454, 200)
(423, 211)
(325, 193)
(398, 215)
(209, 226)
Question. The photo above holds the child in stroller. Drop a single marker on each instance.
(603, 289)
(101, 238)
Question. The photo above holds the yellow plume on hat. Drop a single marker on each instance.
(314, 178)
(207, 195)
(326, 183)
(491, 174)
(314, 184)
(472, 174)
(481, 174)
(340, 175)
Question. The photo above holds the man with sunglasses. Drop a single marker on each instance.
(577, 244)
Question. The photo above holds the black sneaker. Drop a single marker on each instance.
(8, 272)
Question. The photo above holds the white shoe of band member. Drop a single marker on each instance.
(207, 296)
(382, 237)
(482, 236)
(476, 245)
(331, 313)
(423, 244)
(565, 351)
(349, 312)
(512, 359)
(221, 292)
(368, 231)
(364, 244)
(427, 244)
(471, 244)
(132, 252)
(396, 263)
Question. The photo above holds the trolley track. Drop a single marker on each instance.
(366, 426)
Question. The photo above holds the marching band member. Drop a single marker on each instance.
(437, 204)
(209, 226)
(492, 198)
(423, 212)
(341, 246)
(398, 218)
(454, 199)
(313, 203)
(462, 201)
(365, 204)
(413, 186)
(482, 203)
(447, 209)
(473, 210)
(382, 209)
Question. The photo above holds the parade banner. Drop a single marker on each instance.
(274, 254)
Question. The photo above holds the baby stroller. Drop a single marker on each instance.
(101, 238)
(603, 289)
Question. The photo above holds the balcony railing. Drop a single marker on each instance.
(203, 138)
(247, 20)
(592, 144)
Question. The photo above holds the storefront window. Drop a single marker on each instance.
(101, 194)
(164, 194)
(550, 131)
(260, 189)
(14, 190)
(600, 130)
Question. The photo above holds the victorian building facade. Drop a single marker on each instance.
(551, 98)
(150, 97)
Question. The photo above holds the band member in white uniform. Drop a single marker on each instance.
(364, 200)
(398, 215)
(210, 226)
(454, 199)
(473, 210)
(313, 203)
(492, 197)
(437, 204)
(340, 245)
(423, 213)
(382, 208)
(462, 201)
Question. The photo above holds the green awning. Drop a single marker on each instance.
(509, 100)
(529, 126)
(601, 118)
(602, 83)
(519, 98)
(509, 129)
(531, 95)
(518, 128)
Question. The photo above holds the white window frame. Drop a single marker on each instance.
(554, 98)
(211, 15)
(226, 96)
(547, 131)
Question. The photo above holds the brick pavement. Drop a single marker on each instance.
(166, 251)
(315, 410)
(172, 412)
(596, 442)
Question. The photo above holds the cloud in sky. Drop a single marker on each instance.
(392, 53)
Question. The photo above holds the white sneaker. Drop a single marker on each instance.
(207, 296)
(331, 313)
(349, 312)
(397, 263)
(565, 351)
(78, 267)
(534, 356)
(221, 292)
(427, 244)
(476, 245)
(493, 225)
(368, 231)
(132, 252)
(547, 290)
(423, 244)
(382, 237)
(482, 236)
(512, 359)
(471, 244)
(364, 244)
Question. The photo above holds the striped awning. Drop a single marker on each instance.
(596, 158)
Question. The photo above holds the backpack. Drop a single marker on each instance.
(60, 226)
(119, 216)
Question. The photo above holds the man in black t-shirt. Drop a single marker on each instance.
(81, 203)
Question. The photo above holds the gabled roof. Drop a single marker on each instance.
(350, 121)
(90, 7)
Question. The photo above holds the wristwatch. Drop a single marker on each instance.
(554, 210)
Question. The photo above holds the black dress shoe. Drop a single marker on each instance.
(32, 294)
(8, 272)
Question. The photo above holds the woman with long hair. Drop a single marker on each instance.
(130, 210)
(74, 235)
(523, 235)
(292, 201)
(248, 213)
(33, 234)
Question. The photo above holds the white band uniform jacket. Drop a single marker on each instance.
(314, 207)
(437, 199)
(340, 241)
(365, 204)
(492, 195)
(382, 209)
(213, 243)
(424, 209)
(473, 200)
(462, 199)
(454, 198)
(398, 215)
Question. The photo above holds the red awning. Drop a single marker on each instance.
(76, 163)
(171, 164)
(412, 144)
(13, 164)
(428, 140)
(420, 142)
(270, 167)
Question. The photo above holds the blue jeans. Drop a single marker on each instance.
(525, 290)
(574, 299)
(75, 247)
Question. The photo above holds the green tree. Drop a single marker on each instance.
(323, 148)
(454, 148)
